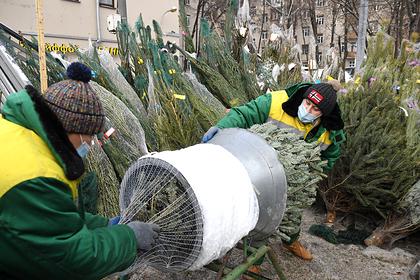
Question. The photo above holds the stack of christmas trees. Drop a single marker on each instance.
(380, 159)
(155, 104)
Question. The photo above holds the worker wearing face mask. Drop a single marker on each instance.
(43, 235)
(310, 110)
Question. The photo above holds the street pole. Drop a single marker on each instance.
(122, 10)
(41, 46)
(162, 17)
(361, 36)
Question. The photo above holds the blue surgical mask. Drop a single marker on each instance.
(304, 116)
(83, 149)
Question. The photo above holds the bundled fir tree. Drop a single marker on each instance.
(408, 93)
(402, 221)
(178, 114)
(176, 122)
(377, 167)
(303, 167)
(107, 183)
(228, 76)
(209, 109)
(128, 142)
(379, 162)
(109, 76)
(216, 83)
(26, 56)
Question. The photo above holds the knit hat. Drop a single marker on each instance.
(75, 103)
(323, 95)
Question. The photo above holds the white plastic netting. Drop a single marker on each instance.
(154, 191)
(129, 135)
(122, 89)
(201, 197)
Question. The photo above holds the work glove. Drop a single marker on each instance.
(146, 234)
(210, 134)
(114, 221)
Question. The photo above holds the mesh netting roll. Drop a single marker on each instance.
(202, 199)
(158, 193)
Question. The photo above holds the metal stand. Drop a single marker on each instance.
(257, 253)
(232, 273)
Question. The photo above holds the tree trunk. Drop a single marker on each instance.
(346, 31)
(399, 28)
(413, 13)
(361, 34)
(314, 28)
(333, 23)
(197, 17)
(262, 27)
(393, 16)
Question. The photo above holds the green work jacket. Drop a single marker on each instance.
(43, 235)
(268, 108)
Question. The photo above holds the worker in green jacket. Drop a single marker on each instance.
(43, 235)
(310, 110)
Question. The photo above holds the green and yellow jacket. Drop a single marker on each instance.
(43, 235)
(280, 108)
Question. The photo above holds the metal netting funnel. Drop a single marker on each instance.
(155, 191)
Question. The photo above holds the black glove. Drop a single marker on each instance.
(146, 234)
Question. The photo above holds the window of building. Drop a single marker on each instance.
(265, 18)
(253, 11)
(107, 3)
(320, 39)
(320, 20)
(277, 2)
(306, 14)
(305, 64)
(222, 25)
(320, 3)
(374, 25)
(353, 46)
(319, 57)
(352, 63)
(305, 49)
(187, 2)
(376, 8)
(264, 35)
(274, 15)
(305, 31)
(188, 20)
(343, 47)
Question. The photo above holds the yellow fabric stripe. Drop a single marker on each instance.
(277, 113)
(25, 156)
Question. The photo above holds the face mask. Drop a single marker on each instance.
(304, 116)
(83, 150)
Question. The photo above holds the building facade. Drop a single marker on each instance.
(70, 24)
(335, 30)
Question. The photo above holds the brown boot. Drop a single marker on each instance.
(254, 269)
(298, 250)
(330, 219)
